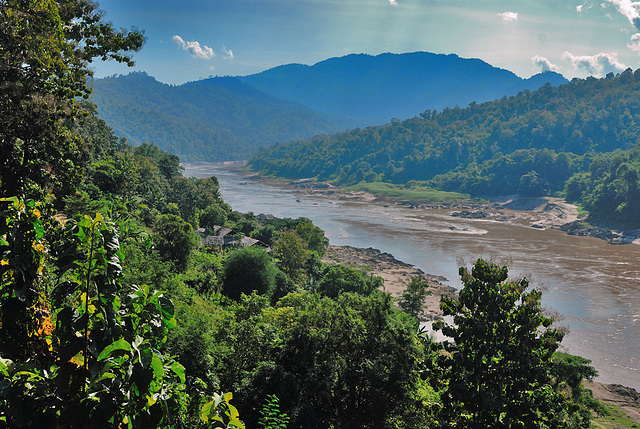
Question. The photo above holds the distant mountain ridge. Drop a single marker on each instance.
(228, 118)
(209, 120)
(373, 89)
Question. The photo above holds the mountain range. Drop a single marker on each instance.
(371, 90)
(228, 118)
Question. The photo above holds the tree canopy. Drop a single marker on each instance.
(45, 49)
(500, 354)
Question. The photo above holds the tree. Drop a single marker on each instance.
(213, 215)
(499, 361)
(313, 236)
(291, 254)
(45, 49)
(248, 269)
(412, 301)
(338, 279)
(174, 239)
(348, 362)
(168, 164)
(532, 185)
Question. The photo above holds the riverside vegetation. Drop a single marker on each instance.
(112, 313)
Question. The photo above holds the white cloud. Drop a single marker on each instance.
(635, 43)
(509, 16)
(630, 9)
(595, 65)
(393, 2)
(194, 48)
(228, 53)
(579, 8)
(544, 64)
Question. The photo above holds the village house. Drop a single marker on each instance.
(224, 238)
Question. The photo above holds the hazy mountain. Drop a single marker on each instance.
(374, 89)
(213, 119)
(226, 118)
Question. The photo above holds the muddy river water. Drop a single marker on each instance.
(593, 286)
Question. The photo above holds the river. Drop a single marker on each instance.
(592, 286)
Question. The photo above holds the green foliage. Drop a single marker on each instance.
(22, 249)
(175, 239)
(248, 269)
(338, 279)
(291, 255)
(610, 191)
(212, 215)
(99, 363)
(284, 286)
(115, 175)
(220, 413)
(412, 191)
(412, 300)
(347, 362)
(168, 164)
(192, 344)
(499, 360)
(615, 417)
(46, 48)
(270, 416)
(313, 236)
(568, 373)
(193, 196)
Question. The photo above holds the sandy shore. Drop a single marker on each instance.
(536, 212)
(396, 274)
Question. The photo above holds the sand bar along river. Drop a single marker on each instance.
(593, 286)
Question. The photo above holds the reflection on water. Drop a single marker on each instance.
(592, 285)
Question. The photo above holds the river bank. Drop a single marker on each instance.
(396, 274)
(535, 212)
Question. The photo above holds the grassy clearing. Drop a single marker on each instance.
(616, 419)
(414, 193)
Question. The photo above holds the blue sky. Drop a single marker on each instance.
(192, 39)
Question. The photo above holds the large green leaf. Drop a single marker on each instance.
(120, 344)
(168, 312)
(157, 367)
(178, 370)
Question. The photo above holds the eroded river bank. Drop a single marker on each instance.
(592, 285)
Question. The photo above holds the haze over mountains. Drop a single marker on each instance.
(210, 120)
(373, 89)
(228, 118)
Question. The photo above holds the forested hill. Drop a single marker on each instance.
(228, 118)
(575, 140)
(208, 120)
(373, 89)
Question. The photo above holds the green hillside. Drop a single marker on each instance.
(212, 120)
(579, 136)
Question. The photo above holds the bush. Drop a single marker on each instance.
(248, 269)
(339, 278)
